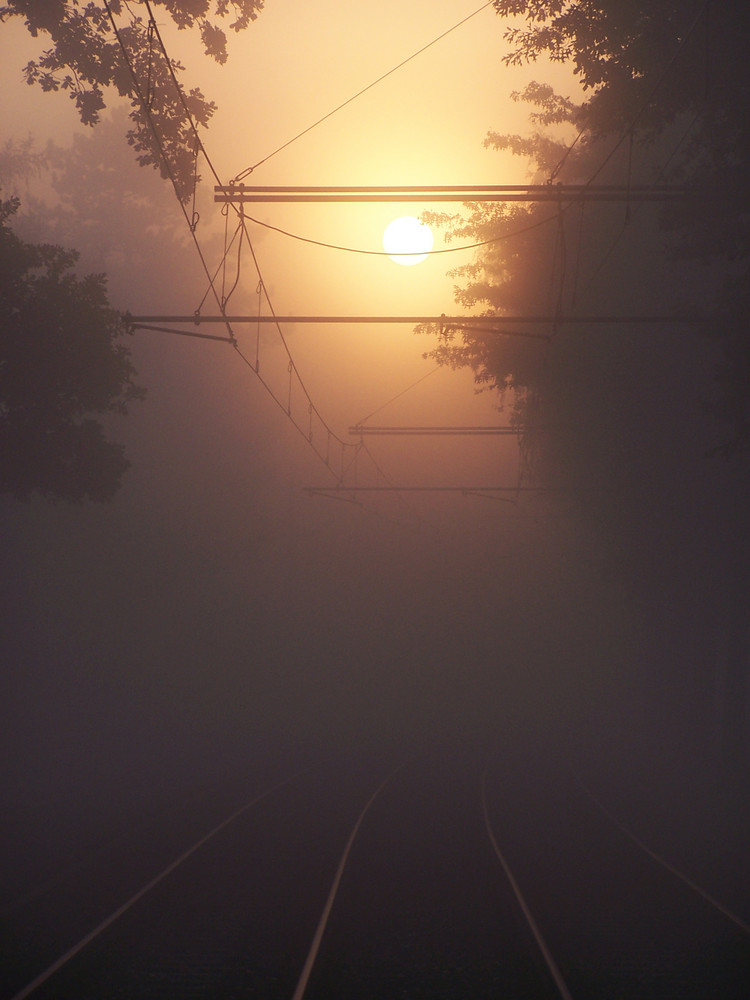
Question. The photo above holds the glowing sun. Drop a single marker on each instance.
(407, 240)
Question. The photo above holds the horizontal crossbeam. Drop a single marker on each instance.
(360, 430)
(458, 322)
(243, 193)
(322, 490)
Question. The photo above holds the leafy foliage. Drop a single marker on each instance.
(613, 46)
(60, 364)
(643, 63)
(87, 56)
(92, 195)
(505, 277)
(669, 86)
(620, 419)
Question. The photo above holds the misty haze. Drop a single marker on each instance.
(374, 489)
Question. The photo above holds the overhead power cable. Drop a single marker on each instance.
(562, 194)
(307, 432)
(145, 103)
(294, 377)
(561, 163)
(406, 253)
(249, 170)
(180, 95)
(652, 93)
(660, 176)
(399, 395)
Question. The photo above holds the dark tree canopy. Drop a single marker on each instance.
(60, 365)
(642, 62)
(620, 419)
(667, 90)
(86, 56)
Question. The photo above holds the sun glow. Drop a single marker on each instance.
(407, 240)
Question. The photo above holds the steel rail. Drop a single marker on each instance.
(312, 954)
(129, 903)
(533, 926)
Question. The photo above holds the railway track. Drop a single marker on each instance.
(446, 878)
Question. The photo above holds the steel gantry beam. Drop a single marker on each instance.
(466, 490)
(244, 193)
(484, 323)
(360, 430)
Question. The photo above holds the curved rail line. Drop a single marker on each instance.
(533, 926)
(717, 904)
(562, 989)
(108, 921)
(323, 922)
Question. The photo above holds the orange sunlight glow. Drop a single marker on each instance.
(407, 240)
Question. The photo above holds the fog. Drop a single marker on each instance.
(215, 621)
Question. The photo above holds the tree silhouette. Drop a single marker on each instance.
(616, 417)
(60, 365)
(668, 88)
(88, 55)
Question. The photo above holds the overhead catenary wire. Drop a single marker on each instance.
(626, 135)
(398, 395)
(561, 162)
(221, 266)
(249, 170)
(192, 221)
(178, 89)
(242, 228)
(627, 132)
(566, 194)
(220, 300)
(407, 253)
(660, 176)
(241, 216)
(146, 106)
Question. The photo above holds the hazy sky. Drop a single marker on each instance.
(424, 124)
(214, 623)
(213, 607)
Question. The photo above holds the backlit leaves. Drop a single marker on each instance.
(107, 43)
